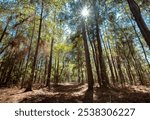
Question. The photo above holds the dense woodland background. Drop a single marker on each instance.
(74, 50)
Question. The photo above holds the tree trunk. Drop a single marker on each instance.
(45, 70)
(95, 57)
(29, 84)
(104, 77)
(109, 63)
(50, 65)
(122, 79)
(135, 9)
(56, 75)
(3, 34)
(113, 62)
(22, 82)
(139, 39)
(87, 57)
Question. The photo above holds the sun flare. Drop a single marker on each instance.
(85, 12)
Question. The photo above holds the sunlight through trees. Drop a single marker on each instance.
(102, 43)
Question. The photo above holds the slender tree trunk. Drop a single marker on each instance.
(110, 65)
(30, 46)
(40, 72)
(103, 74)
(97, 64)
(87, 57)
(82, 76)
(122, 79)
(113, 62)
(129, 73)
(56, 77)
(30, 82)
(45, 71)
(139, 39)
(50, 64)
(135, 9)
(95, 57)
(146, 58)
(20, 69)
(5, 29)
(104, 77)
(78, 59)
(137, 65)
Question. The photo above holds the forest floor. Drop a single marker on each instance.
(69, 93)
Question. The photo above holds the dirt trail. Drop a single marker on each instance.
(76, 94)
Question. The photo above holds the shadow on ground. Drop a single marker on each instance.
(64, 94)
(78, 94)
(121, 95)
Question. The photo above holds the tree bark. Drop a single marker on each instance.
(104, 77)
(87, 57)
(30, 82)
(135, 9)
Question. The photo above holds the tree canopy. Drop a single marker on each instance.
(95, 42)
